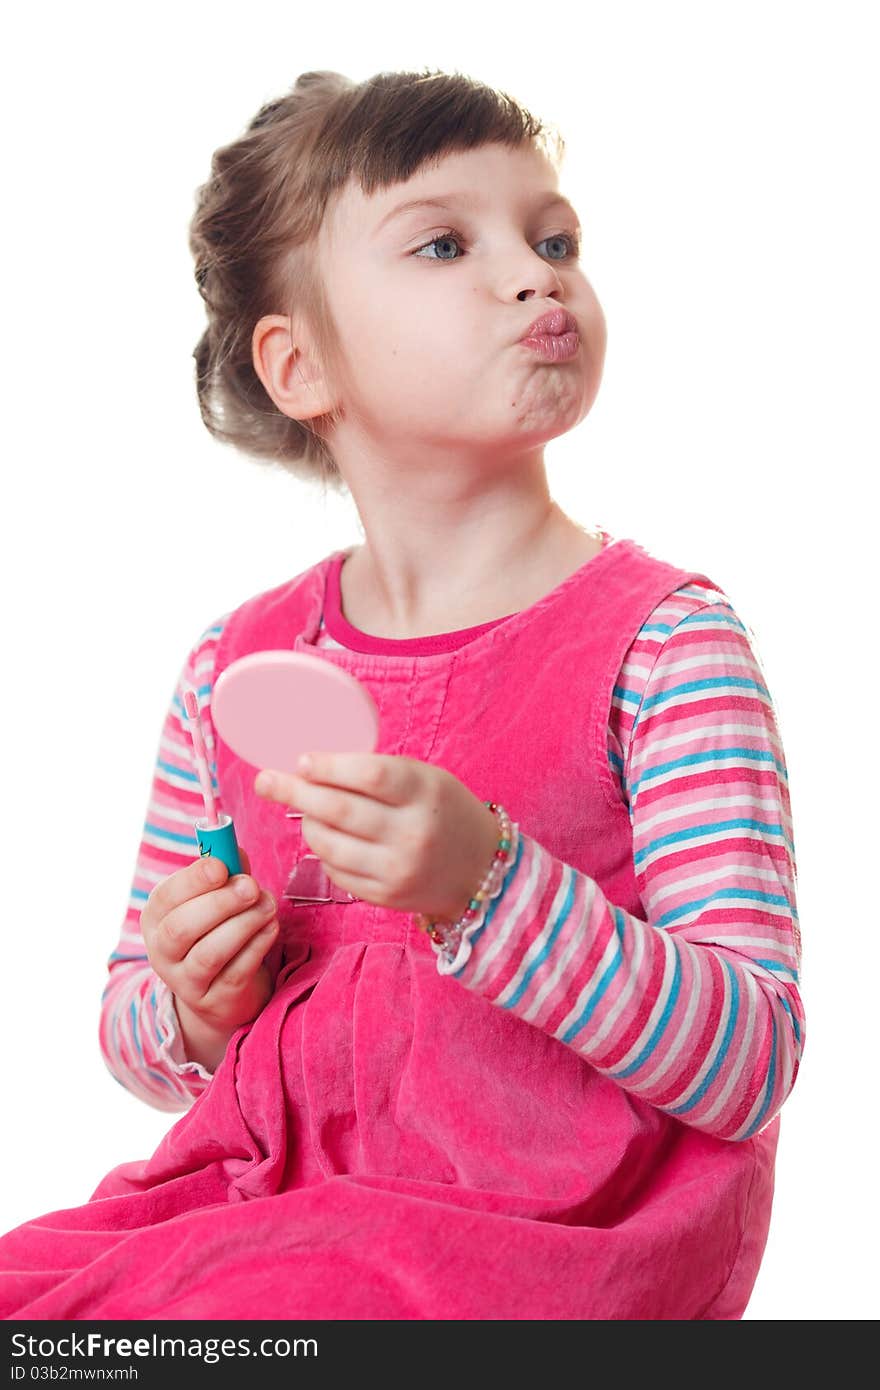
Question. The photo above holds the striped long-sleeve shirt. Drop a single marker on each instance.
(696, 1011)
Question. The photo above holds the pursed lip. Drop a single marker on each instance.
(554, 322)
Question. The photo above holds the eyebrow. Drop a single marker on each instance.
(448, 201)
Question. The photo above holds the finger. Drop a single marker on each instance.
(356, 815)
(355, 853)
(202, 876)
(213, 951)
(359, 885)
(243, 966)
(187, 923)
(381, 776)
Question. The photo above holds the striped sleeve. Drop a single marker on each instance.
(696, 1010)
(139, 1034)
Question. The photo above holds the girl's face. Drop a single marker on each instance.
(430, 303)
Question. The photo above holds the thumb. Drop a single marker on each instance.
(245, 859)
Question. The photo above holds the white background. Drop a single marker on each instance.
(723, 159)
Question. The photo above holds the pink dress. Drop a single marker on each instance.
(404, 1135)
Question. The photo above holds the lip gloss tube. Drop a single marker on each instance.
(215, 830)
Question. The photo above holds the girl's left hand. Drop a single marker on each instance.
(391, 830)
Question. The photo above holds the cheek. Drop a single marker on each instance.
(596, 340)
(419, 361)
(592, 319)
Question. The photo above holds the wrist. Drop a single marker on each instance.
(203, 1042)
(447, 933)
(474, 874)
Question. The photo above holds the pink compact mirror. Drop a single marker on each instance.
(272, 706)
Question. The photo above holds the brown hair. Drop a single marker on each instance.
(254, 230)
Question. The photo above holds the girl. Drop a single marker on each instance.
(561, 1100)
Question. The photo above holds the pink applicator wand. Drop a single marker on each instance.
(216, 832)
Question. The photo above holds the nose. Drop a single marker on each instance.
(530, 276)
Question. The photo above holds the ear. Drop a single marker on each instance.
(291, 375)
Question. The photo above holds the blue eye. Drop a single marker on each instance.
(445, 238)
(439, 240)
(572, 243)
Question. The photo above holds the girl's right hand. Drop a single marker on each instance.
(207, 941)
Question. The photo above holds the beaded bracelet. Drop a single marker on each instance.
(448, 934)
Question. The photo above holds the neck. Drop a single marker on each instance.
(421, 594)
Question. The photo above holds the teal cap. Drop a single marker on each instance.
(220, 841)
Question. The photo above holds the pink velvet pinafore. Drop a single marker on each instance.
(382, 1142)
